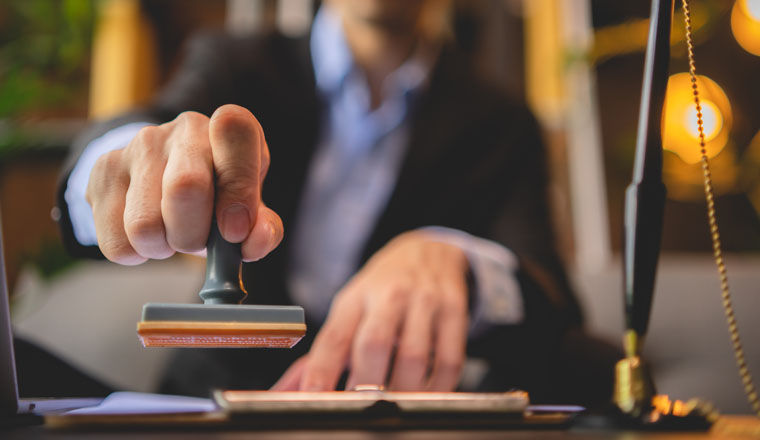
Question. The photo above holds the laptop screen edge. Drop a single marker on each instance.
(9, 403)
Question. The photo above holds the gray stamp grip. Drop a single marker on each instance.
(223, 263)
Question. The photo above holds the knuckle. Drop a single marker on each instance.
(234, 191)
(147, 144)
(148, 136)
(395, 295)
(187, 184)
(236, 177)
(117, 249)
(375, 343)
(144, 228)
(106, 172)
(334, 336)
(191, 118)
(107, 164)
(414, 360)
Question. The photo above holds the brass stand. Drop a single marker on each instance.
(636, 406)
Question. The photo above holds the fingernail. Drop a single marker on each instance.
(235, 223)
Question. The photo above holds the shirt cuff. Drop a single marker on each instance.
(498, 300)
(80, 211)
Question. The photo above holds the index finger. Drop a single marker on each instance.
(329, 353)
(291, 379)
(236, 139)
(374, 341)
(450, 347)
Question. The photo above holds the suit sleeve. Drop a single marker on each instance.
(549, 353)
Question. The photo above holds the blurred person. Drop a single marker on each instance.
(412, 191)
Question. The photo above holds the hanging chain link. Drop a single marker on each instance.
(746, 376)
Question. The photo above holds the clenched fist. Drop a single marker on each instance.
(157, 195)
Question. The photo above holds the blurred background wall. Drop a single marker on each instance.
(578, 63)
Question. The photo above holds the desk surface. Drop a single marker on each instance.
(728, 427)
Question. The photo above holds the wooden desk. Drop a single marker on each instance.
(727, 428)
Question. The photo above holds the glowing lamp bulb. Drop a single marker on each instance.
(680, 129)
(712, 120)
(753, 8)
(745, 24)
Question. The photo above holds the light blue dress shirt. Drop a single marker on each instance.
(351, 177)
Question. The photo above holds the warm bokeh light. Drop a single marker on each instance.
(751, 172)
(680, 132)
(745, 24)
(712, 120)
(752, 7)
(685, 181)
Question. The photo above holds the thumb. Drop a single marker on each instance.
(236, 142)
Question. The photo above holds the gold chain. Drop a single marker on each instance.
(746, 376)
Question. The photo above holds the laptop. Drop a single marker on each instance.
(10, 403)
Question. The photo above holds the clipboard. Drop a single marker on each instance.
(383, 410)
(368, 401)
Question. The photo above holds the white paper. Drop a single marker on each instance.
(125, 402)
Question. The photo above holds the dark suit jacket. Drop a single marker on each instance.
(475, 162)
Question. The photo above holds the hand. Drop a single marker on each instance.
(156, 196)
(406, 307)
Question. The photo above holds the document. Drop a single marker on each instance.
(124, 402)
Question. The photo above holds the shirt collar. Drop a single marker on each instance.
(333, 62)
(330, 53)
